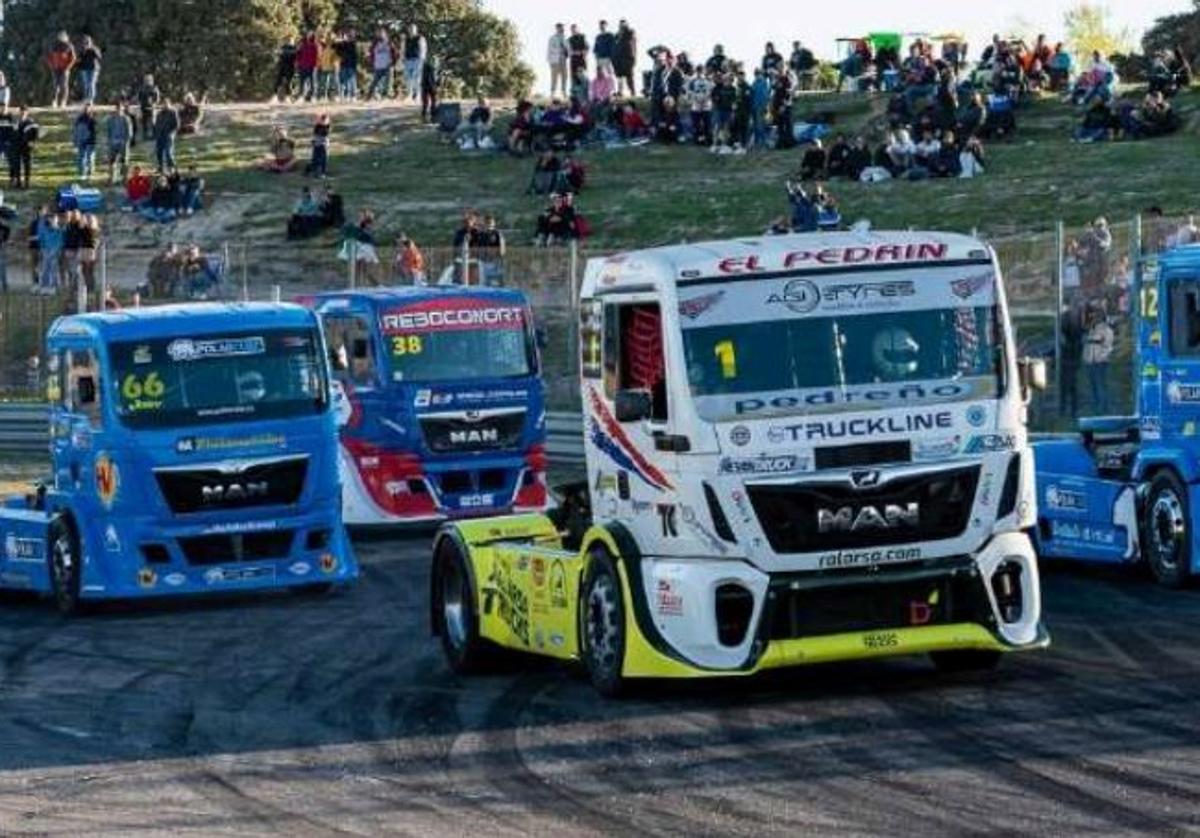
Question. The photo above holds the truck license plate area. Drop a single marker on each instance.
(203, 550)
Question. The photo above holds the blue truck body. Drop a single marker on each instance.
(193, 450)
(442, 404)
(1127, 488)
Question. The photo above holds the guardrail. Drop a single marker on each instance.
(25, 432)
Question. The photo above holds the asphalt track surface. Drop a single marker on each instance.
(304, 715)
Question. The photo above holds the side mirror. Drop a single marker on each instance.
(634, 405)
(86, 388)
(1032, 374)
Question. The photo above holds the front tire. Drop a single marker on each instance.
(602, 625)
(455, 619)
(1167, 530)
(64, 565)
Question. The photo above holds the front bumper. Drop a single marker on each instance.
(143, 557)
(694, 618)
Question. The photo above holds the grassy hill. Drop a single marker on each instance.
(383, 159)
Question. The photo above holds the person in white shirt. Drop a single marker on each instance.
(556, 56)
(1097, 350)
(900, 150)
(699, 95)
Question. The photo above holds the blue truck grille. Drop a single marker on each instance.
(236, 485)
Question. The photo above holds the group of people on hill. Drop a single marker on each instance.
(64, 249)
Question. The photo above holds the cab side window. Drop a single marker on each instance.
(352, 352)
(1185, 319)
(634, 358)
(82, 393)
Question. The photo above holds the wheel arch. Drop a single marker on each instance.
(448, 535)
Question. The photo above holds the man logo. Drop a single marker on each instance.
(865, 478)
(849, 520)
(799, 295)
(234, 492)
(476, 436)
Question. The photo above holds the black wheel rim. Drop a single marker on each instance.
(454, 609)
(63, 567)
(1168, 528)
(603, 625)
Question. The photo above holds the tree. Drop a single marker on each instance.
(1181, 30)
(479, 52)
(1089, 29)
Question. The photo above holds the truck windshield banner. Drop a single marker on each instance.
(452, 313)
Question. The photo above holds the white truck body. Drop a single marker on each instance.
(820, 404)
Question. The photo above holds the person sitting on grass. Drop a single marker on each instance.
(926, 150)
(1153, 118)
(283, 152)
(201, 273)
(1098, 122)
(805, 205)
(164, 272)
(333, 208)
(305, 221)
(547, 174)
(137, 189)
(837, 158)
(190, 114)
(558, 222)
(408, 266)
(476, 130)
(971, 116)
(946, 163)
(901, 152)
(812, 164)
(668, 129)
(191, 192)
(630, 123)
(829, 218)
(520, 131)
(162, 203)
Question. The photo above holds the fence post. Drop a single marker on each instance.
(103, 274)
(245, 272)
(573, 302)
(276, 294)
(353, 263)
(81, 300)
(1059, 267)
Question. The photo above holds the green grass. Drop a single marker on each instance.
(383, 160)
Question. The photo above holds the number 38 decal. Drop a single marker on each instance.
(407, 345)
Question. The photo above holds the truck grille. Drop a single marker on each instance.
(791, 514)
(459, 435)
(272, 482)
(204, 550)
(797, 608)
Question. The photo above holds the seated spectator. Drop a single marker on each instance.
(837, 160)
(138, 188)
(547, 175)
(812, 164)
(780, 227)
(282, 156)
(926, 150)
(558, 223)
(201, 273)
(1098, 123)
(972, 116)
(333, 211)
(1037, 79)
(306, 220)
(164, 272)
(1001, 119)
(581, 86)
(900, 151)
(970, 159)
(191, 192)
(1154, 118)
(574, 175)
(945, 162)
(805, 206)
(630, 123)
(408, 266)
(520, 132)
(477, 129)
(828, 216)
(603, 86)
(668, 128)
(163, 200)
(190, 114)
(859, 158)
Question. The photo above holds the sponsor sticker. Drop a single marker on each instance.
(990, 443)
(969, 286)
(859, 558)
(460, 317)
(18, 549)
(174, 579)
(766, 464)
(1058, 497)
(861, 427)
(976, 415)
(1178, 393)
(693, 308)
(739, 435)
(108, 479)
(668, 601)
(112, 543)
(187, 349)
(209, 445)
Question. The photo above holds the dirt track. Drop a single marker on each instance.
(307, 716)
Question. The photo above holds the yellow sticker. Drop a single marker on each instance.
(108, 479)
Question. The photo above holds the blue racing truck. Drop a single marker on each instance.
(193, 450)
(1126, 489)
(440, 402)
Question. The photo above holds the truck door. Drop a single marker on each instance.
(629, 418)
(1181, 364)
(78, 417)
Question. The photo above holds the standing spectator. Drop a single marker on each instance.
(1097, 351)
(118, 130)
(556, 57)
(8, 136)
(89, 249)
(60, 60)
(772, 61)
(1070, 356)
(148, 97)
(166, 126)
(699, 94)
(577, 47)
(604, 47)
(492, 249)
(20, 166)
(760, 100)
(781, 108)
(347, 50)
(285, 71)
(72, 231)
(89, 68)
(5, 237)
(1094, 247)
(327, 69)
(33, 242)
(803, 64)
(409, 263)
(50, 247)
(307, 55)
(724, 100)
(624, 59)
(83, 137)
(416, 49)
(318, 166)
(431, 81)
(5, 91)
(383, 60)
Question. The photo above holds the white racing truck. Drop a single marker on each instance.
(799, 449)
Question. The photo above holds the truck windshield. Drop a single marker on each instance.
(458, 341)
(848, 350)
(204, 379)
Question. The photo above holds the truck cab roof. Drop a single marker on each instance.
(765, 256)
(175, 320)
(380, 298)
(1180, 262)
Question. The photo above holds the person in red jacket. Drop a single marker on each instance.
(307, 56)
(137, 188)
(61, 59)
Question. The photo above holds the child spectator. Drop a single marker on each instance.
(83, 137)
(60, 60)
(282, 157)
(89, 68)
(1097, 351)
(118, 129)
(318, 166)
(408, 266)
